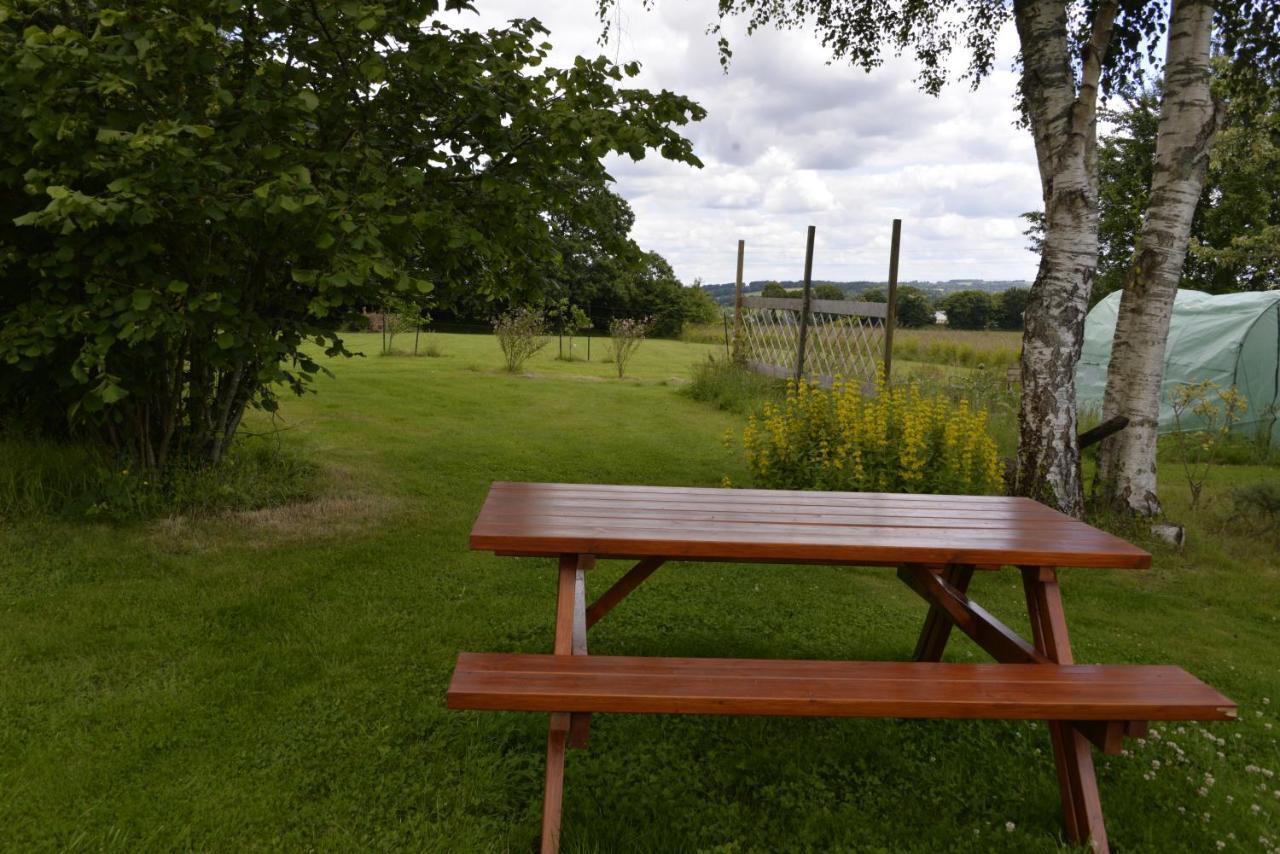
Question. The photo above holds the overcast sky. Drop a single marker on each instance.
(790, 141)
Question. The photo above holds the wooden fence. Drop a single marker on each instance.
(821, 340)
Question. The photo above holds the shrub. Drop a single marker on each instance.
(828, 291)
(730, 386)
(521, 333)
(698, 306)
(1198, 448)
(900, 440)
(969, 310)
(774, 290)
(1256, 507)
(627, 333)
(1010, 305)
(914, 308)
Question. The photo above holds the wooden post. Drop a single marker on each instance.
(804, 305)
(891, 314)
(737, 305)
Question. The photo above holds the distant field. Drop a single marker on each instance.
(935, 345)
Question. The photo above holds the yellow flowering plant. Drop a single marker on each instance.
(897, 440)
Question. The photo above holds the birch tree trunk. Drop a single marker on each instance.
(1063, 117)
(1126, 479)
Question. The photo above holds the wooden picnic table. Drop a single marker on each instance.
(937, 543)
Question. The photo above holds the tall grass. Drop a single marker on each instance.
(730, 387)
(958, 348)
(705, 333)
(79, 480)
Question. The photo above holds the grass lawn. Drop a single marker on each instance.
(275, 679)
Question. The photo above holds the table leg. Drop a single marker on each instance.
(937, 625)
(1081, 805)
(580, 722)
(553, 793)
(571, 639)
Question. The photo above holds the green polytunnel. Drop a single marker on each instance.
(1231, 339)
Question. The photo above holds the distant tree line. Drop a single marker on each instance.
(969, 309)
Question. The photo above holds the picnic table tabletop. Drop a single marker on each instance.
(761, 525)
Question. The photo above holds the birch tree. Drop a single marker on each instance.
(1069, 50)
(1189, 119)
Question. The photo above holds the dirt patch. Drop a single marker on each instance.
(319, 518)
(322, 516)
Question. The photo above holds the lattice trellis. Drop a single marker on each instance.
(843, 339)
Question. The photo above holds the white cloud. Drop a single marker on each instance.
(791, 140)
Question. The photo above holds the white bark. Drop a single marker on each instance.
(1063, 116)
(1188, 121)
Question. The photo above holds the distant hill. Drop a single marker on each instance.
(723, 293)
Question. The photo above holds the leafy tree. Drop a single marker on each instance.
(191, 193)
(699, 307)
(1009, 307)
(914, 308)
(826, 290)
(774, 290)
(1190, 117)
(969, 310)
(1238, 212)
(873, 295)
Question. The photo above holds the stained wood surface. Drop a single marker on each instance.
(515, 682)
(781, 526)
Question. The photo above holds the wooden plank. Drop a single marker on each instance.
(796, 502)
(937, 626)
(553, 789)
(623, 586)
(1003, 643)
(891, 302)
(1107, 736)
(851, 528)
(823, 688)
(580, 724)
(627, 490)
(975, 520)
(806, 304)
(776, 371)
(737, 303)
(850, 308)
(854, 546)
(1077, 780)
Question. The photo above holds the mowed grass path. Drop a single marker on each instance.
(275, 680)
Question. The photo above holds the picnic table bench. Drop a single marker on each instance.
(936, 542)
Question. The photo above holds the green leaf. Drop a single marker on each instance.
(57, 192)
(142, 300)
(109, 392)
(226, 340)
(325, 240)
(309, 100)
(178, 287)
